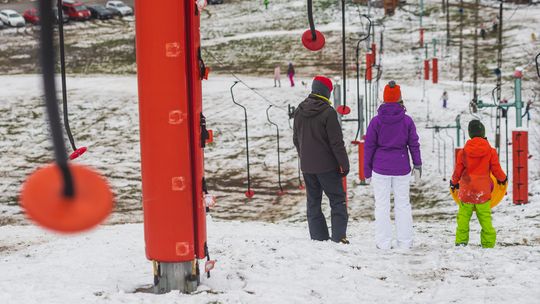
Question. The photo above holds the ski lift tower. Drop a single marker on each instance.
(173, 134)
(520, 149)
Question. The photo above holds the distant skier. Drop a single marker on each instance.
(324, 162)
(483, 32)
(391, 135)
(266, 2)
(277, 76)
(474, 165)
(528, 111)
(444, 99)
(504, 110)
(495, 25)
(290, 73)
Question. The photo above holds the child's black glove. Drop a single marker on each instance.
(454, 187)
(502, 183)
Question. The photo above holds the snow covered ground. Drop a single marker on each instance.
(261, 245)
(270, 263)
(257, 262)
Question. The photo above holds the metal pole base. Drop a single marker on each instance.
(176, 276)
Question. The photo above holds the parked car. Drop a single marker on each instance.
(76, 10)
(100, 12)
(65, 17)
(215, 1)
(12, 18)
(31, 16)
(119, 7)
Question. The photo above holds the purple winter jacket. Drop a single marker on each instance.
(390, 136)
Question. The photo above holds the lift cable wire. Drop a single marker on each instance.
(310, 20)
(220, 62)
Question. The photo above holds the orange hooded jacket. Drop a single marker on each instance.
(474, 165)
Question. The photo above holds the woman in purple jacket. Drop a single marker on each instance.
(390, 137)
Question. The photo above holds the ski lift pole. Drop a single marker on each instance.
(360, 103)
(76, 151)
(249, 193)
(537, 64)
(63, 71)
(453, 144)
(312, 39)
(290, 111)
(438, 150)
(281, 192)
(444, 155)
(63, 197)
(433, 140)
(343, 109)
(47, 62)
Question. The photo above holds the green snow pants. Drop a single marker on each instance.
(483, 213)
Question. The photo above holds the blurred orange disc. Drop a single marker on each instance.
(43, 200)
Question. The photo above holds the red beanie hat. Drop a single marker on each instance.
(322, 86)
(392, 92)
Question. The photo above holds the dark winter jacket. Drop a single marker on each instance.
(390, 136)
(318, 138)
(290, 70)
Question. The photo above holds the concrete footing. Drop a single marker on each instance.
(176, 276)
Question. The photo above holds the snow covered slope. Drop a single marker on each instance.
(257, 262)
(262, 246)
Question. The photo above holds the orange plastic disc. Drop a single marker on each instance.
(43, 200)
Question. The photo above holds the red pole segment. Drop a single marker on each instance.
(426, 69)
(374, 53)
(435, 67)
(520, 174)
(361, 174)
(170, 107)
(369, 69)
(421, 37)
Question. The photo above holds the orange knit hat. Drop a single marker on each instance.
(392, 92)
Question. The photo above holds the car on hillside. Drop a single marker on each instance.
(119, 8)
(100, 12)
(215, 1)
(76, 10)
(31, 16)
(12, 18)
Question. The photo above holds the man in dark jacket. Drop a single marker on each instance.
(324, 161)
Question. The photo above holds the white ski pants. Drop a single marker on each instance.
(383, 186)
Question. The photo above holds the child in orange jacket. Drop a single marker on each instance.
(472, 176)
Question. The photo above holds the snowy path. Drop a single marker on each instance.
(268, 263)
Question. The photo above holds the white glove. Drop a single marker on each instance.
(368, 181)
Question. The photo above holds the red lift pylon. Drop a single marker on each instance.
(520, 173)
(173, 135)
